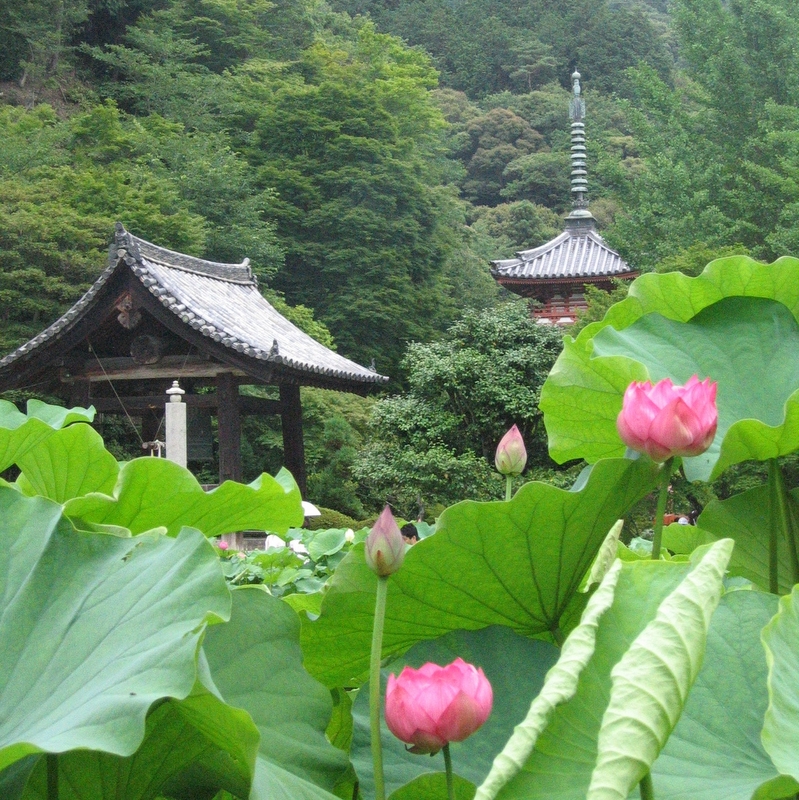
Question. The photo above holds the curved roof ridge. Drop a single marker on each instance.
(140, 248)
(237, 316)
(572, 254)
(526, 255)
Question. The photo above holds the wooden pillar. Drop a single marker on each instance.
(293, 447)
(79, 394)
(229, 427)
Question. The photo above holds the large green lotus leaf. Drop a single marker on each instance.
(554, 758)
(274, 782)
(559, 687)
(746, 518)
(682, 540)
(517, 563)
(256, 664)
(605, 558)
(69, 463)
(651, 681)
(715, 750)
(434, 787)
(150, 492)
(192, 748)
(515, 666)
(197, 746)
(339, 731)
(19, 432)
(781, 726)
(95, 628)
(582, 396)
(747, 345)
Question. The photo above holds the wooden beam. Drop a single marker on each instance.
(293, 446)
(228, 427)
(169, 367)
(138, 404)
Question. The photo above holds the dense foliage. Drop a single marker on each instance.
(436, 442)
(321, 147)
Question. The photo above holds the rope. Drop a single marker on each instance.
(119, 399)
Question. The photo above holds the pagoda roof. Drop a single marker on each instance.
(222, 303)
(572, 256)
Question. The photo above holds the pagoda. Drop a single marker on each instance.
(556, 273)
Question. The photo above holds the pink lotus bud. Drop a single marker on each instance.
(384, 547)
(431, 706)
(665, 420)
(222, 545)
(511, 456)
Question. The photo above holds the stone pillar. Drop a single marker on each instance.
(175, 425)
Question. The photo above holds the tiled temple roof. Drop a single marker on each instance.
(220, 301)
(579, 253)
(572, 254)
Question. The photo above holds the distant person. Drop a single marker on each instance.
(409, 533)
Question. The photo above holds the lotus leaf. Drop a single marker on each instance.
(759, 416)
(151, 492)
(95, 628)
(517, 563)
(20, 432)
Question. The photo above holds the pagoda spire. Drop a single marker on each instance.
(580, 218)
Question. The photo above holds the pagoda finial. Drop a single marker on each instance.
(577, 104)
(580, 217)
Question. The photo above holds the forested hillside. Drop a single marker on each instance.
(371, 156)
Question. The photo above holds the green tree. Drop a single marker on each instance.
(495, 140)
(483, 47)
(437, 440)
(350, 139)
(516, 226)
(35, 35)
(63, 184)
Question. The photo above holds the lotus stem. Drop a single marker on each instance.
(557, 635)
(508, 487)
(374, 685)
(646, 787)
(665, 477)
(782, 522)
(52, 776)
(448, 770)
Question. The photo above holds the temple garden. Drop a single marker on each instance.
(518, 650)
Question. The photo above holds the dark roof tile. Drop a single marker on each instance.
(569, 255)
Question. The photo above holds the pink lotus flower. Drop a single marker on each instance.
(222, 544)
(511, 456)
(385, 547)
(665, 420)
(431, 706)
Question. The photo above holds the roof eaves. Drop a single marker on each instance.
(208, 329)
(63, 323)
